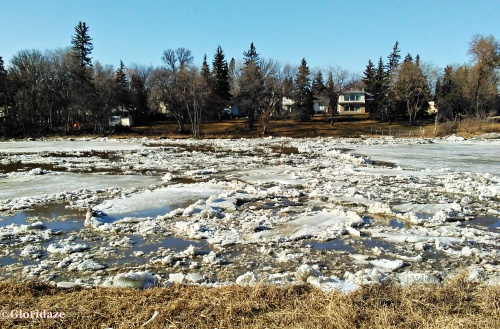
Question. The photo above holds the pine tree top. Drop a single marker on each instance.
(251, 55)
(82, 44)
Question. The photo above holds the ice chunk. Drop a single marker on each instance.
(330, 284)
(380, 208)
(139, 280)
(247, 279)
(66, 248)
(195, 277)
(305, 271)
(176, 277)
(386, 264)
(167, 177)
(89, 265)
(32, 252)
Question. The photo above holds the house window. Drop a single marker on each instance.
(352, 97)
(352, 108)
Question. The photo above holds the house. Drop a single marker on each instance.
(232, 111)
(118, 120)
(287, 105)
(353, 102)
(321, 105)
(432, 109)
(350, 102)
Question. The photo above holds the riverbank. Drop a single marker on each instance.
(456, 304)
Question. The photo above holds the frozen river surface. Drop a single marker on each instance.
(334, 212)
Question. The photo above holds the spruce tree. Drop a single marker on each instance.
(251, 55)
(251, 86)
(82, 45)
(303, 96)
(122, 92)
(81, 85)
(392, 107)
(220, 82)
(394, 58)
(205, 73)
(206, 81)
(3, 84)
(318, 85)
(369, 77)
(380, 92)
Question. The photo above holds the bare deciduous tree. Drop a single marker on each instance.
(339, 80)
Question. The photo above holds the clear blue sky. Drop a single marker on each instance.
(344, 33)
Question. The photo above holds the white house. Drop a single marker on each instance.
(287, 105)
(321, 105)
(118, 120)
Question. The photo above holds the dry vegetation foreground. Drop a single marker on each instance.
(458, 304)
(319, 126)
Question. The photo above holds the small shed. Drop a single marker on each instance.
(118, 120)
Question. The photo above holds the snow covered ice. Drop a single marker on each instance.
(336, 213)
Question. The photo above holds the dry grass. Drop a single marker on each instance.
(319, 126)
(467, 127)
(347, 126)
(458, 304)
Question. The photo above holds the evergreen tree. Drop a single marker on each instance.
(303, 96)
(232, 76)
(392, 105)
(81, 86)
(251, 55)
(3, 84)
(251, 86)
(220, 82)
(380, 92)
(318, 86)
(369, 77)
(206, 85)
(394, 58)
(122, 91)
(82, 45)
(450, 97)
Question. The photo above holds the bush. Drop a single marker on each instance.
(446, 128)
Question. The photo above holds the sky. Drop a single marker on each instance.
(326, 33)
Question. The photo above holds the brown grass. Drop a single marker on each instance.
(319, 126)
(458, 304)
(468, 127)
(346, 126)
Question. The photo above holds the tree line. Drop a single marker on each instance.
(404, 89)
(58, 89)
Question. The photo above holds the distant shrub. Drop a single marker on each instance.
(447, 128)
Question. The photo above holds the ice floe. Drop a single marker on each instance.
(251, 211)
